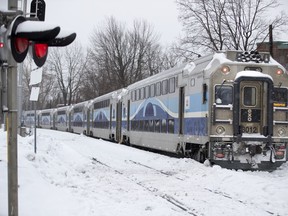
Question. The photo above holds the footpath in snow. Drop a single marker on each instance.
(74, 175)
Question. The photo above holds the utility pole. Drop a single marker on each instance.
(12, 120)
(12, 137)
(271, 40)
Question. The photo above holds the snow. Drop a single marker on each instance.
(252, 74)
(77, 175)
(218, 57)
(34, 26)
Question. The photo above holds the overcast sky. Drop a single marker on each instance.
(85, 15)
(82, 16)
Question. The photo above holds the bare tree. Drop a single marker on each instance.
(225, 24)
(119, 57)
(68, 65)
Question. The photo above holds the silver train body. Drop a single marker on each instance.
(229, 107)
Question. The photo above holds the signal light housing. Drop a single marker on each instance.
(23, 33)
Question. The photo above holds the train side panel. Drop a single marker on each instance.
(47, 119)
(78, 115)
(62, 118)
(101, 117)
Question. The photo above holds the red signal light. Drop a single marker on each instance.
(41, 50)
(1, 45)
(21, 44)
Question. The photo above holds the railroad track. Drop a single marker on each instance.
(156, 192)
(181, 205)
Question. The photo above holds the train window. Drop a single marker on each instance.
(204, 89)
(152, 90)
(192, 82)
(164, 87)
(142, 93)
(146, 125)
(137, 94)
(141, 125)
(223, 94)
(113, 114)
(171, 126)
(151, 125)
(158, 89)
(101, 104)
(249, 96)
(147, 92)
(280, 97)
(157, 126)
(124, 114)
(164, 126)
(172, 85)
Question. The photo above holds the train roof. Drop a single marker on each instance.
(47, 110)
(162, 75)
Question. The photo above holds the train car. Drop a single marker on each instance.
(62, 120)
(105, 117)
(79, 119)
(28, 118)
(247, 109)
(229, 107)
(47, 119)
(150, 111)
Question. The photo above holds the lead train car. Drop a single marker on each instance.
(229, 107)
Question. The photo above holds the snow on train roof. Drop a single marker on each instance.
(252, 74)
(220, 57)
(159, 76)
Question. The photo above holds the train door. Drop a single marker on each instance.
(128, 116)
(118, 121)
(88, 111)
(181, 109)
(254, 107)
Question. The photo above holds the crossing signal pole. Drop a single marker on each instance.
(17, 34)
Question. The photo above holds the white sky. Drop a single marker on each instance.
(85, 15)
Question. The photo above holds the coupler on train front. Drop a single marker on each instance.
(248, 155)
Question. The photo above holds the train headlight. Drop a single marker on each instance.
(225, 70)
(279, 72)
(220, 130)
(281, 131)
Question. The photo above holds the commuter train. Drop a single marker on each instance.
(229, 107)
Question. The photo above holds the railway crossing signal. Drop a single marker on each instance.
(22, 34)
(18, 34)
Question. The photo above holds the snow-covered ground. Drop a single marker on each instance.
(73, 175)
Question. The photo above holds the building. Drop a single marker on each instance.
(280, 51)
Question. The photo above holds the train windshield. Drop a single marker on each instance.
(223, 94)
(280, 97)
